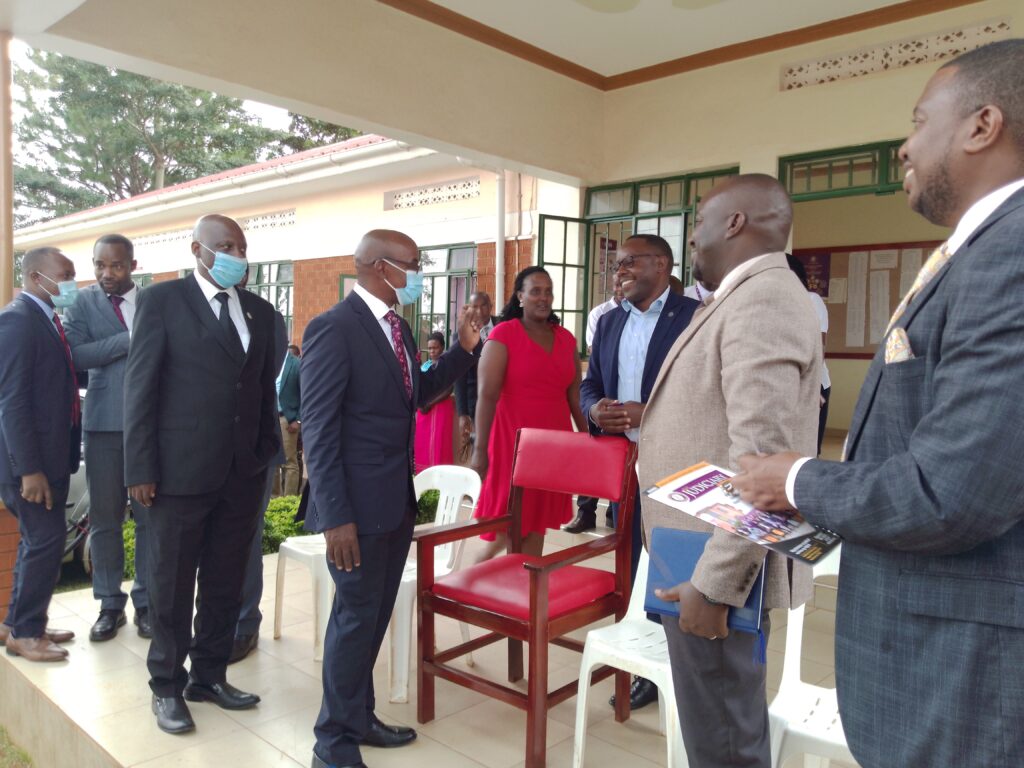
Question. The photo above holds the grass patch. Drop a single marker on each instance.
(12, 756)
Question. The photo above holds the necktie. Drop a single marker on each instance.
(117, 301)
(931, 268)
(226, 323)
(399, 346)
(75, 405)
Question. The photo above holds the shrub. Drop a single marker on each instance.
(280, 523)
(426, 507)
(128, 532)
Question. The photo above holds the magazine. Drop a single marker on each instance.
(703, 491)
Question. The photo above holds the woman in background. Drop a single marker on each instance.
(529, 376)
(435, 422)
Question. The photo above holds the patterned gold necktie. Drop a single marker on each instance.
(931, 268)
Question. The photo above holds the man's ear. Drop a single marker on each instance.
(986, 128)
(737, 221)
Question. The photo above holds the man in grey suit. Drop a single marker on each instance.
(99, 328)
(930, 619)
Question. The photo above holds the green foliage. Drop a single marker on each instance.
(280, 523)
(11, 756)
(426, 507)
(128, 534)
(308, 132)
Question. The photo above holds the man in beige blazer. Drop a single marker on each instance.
(742, 378)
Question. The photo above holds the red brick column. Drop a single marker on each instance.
(8, 549)
(316, 289)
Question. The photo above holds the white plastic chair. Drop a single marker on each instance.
(454, 483)
(312, 551)
(638, 646)
(804, 718)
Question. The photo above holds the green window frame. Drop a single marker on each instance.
(143, 280)
(449, 277)
(275, 282)
(862, 169)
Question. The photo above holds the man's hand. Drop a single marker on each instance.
(696, 615)
(343, 546)
(762, 481)
(35, 489)
(144, 493)
(479, 464)
(293, 427)
(469, 328)
(635, 412)
(610, 415)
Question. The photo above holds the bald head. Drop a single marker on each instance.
(382, 258)
(42, 269)
(214, 234)
(741, 218)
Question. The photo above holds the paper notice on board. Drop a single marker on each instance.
(856, 298)
(910, 265)
(879, 304)
(837, 290)
(887, 259)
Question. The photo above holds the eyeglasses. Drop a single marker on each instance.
(628, 261)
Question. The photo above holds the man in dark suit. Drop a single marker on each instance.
(465, 385)
(200, 429)
(360, 391)
(99, 329)
(930, 502)
(630, 344)
(40, 432)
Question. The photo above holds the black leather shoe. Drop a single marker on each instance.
(641, 693)
(224, 695)
(243, 646)
(318, 763)
(142, 622)
(172, 715)
(582, 522)
(380, 735)
(107, 624)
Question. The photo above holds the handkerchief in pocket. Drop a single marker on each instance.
(897, 347)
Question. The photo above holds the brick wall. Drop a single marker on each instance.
(8, 548)
(162, 277)
(316, 289)
(518, 256)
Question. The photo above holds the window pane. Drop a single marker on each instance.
(462, 258)
(671, 195)
(434, 260)
(575, 244)
(286, 273)
(609, 201)
(648, 198)
(554, 241)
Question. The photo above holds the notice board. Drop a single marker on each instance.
(862, 286)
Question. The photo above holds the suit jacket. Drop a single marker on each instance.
(289, 392)
(930, 619)
(36, 390)
(99, 344)
(358, 424)
(602, 379)
(195, 404)
(465, 385)
(744, 376)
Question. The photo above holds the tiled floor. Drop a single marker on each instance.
(103, 689)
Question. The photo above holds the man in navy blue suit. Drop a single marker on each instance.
(40, 437)
(630, 344)
(360, 390)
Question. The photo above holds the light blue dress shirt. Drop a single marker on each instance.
(636, 337)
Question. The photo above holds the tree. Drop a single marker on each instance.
(308, 132)
(92, 135)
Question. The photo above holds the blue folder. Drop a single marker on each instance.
(673, 556)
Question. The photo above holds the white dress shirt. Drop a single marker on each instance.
(596, 314)
(128, 306)
(379, 310)
(970, 221)
(210, 291)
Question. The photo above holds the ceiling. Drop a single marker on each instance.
(611, 37)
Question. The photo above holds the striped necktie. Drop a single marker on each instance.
(930, 269)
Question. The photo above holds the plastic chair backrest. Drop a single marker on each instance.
(795, 626)
(571, 462)
(639, 593)
(453, 484)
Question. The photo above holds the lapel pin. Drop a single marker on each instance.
(247, 314)
(671, 314)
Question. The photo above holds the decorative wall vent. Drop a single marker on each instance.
(433, 194)
(262, 222)
(892, 55)
(163, 238)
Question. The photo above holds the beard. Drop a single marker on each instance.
(938, 199)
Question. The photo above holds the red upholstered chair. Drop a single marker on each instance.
(527, 599)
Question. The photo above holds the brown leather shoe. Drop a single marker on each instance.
(53, 635)
(35, 649)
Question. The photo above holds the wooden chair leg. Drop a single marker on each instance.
(515, 660)
(621, 696)
(537, 701)
(425, 652)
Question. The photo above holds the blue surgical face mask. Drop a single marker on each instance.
(227, 270)
(413, 289)
(68, 292)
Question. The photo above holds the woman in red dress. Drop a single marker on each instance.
(528, 376)
(435, 422)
